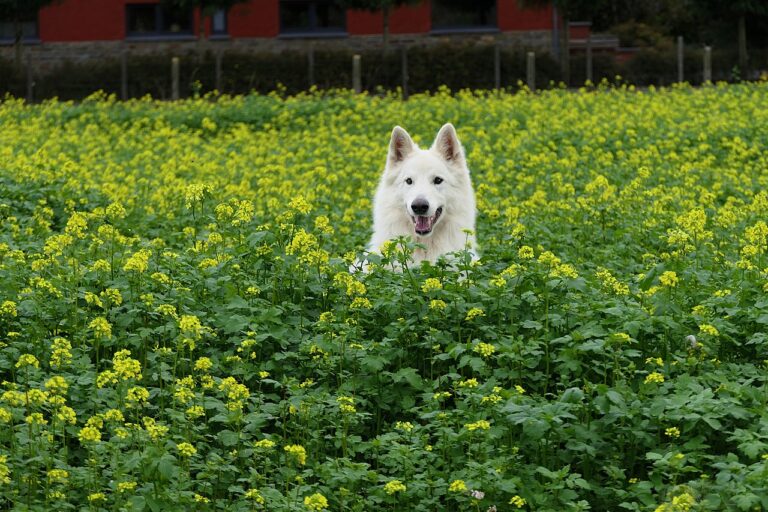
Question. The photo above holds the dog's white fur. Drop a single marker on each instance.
(447, 207)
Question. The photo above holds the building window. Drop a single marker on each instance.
(28, 28)
(307, 16)
(219, 23)
(157, 20)
(463, 14)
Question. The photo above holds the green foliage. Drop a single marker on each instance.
(181, 326)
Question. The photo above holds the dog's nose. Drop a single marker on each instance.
(420, 206)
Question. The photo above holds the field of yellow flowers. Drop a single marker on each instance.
(179, 329)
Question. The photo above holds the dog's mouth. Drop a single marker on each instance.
(424, 224)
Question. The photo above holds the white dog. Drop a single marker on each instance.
(425, 194)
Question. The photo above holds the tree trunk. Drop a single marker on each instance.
(565, 51)
(385, 27)
(17, 40)
(743, 57)
(201, 39)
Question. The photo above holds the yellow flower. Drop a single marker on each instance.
(437, 305)
(474, 313)
(138, 262)
(255, 496)
(101, 327)
(196, 411)
(525, 253)
(114, 415)
(405, 426)
(316, 502)
(672, 432)
(186, 449)
(484, 349)
(360, 303)
(478, 425)
(203, 364)
(97, 497)
(8, 308)
(394, 486)
(36, 418)
(346, 404)
(136, 395)
(89, 435)
(457, 486)
(669, 279)
(297, 452)
(431, 284)
(67, 415)
(57, 475)
(61, 352)
(5, 471)
(126, 486)
(709, 329)
(190, 326)
(115, 211)
(264, 444)
(654, 377)
(517, 501)
(27, 360)
(57, 385)
(125, 367)
(155, 430)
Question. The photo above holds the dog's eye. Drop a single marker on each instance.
(438, 180)
(409, 181)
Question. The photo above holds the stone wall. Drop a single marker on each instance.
(47, 56)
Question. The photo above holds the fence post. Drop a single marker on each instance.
(124, 75)
(356, 81)
(30, 79)
(497, 67)
(589, 59)
(175, 78)
(311, 64)
(707, 64)
(219, 75)
(680, 71)
(404, 63)
(530, 70)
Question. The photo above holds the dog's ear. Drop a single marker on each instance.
(447, 145)
(400, 146)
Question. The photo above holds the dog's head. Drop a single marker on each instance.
(427, 179)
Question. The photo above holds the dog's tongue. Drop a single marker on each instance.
(423, 223)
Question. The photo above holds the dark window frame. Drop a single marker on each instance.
(464, 28)
(313, 30)
(220, 33)
(158, 32)
(25, 38)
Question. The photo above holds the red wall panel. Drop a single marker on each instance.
(409, 19)
(513, 17)
(83, 20)
(98, 20)
(256, 18)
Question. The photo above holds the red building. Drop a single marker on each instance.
(148, 20)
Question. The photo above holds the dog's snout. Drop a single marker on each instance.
(420, 206)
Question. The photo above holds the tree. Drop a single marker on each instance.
(207, 8)
(385, 6)
(740, 9)
(18, 11)
(565, 8)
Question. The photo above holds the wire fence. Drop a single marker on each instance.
(408, 69)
